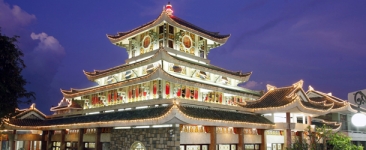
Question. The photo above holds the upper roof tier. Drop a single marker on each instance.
(167, 16)
(169, 31)
(163, 54)
(215, 36)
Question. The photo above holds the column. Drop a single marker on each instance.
(212, 130)
(309, 120)
(80, 139)
(241, 138)
(299, 135)
(27, 144)
(263, 142)
(12, 140)
(288, 130)
(49, 139)
(98, 144)
(63, 143)
(44, 141)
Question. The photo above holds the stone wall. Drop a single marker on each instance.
(152, 138)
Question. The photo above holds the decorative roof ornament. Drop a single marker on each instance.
(270, 87)
(298, 84)
(32, 106)
(168, 9)
(311, 88)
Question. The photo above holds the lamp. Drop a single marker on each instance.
(359, 119)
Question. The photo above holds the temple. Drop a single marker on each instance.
(168, 96)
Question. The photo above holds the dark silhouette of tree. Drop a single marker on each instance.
(12, 90)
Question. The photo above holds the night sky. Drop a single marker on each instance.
(281, 42)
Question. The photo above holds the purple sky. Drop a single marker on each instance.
(321, 42)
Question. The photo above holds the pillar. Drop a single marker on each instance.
(49, 140)
(63, 143)
(98, 144)
(288, 130)
(12, 140)
(263, 142)
(213, 142)
(241, 138)
(44, 140)
(80, 139)
(299, 135)
(309, 120)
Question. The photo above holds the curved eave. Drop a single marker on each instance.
(65, 108)
(29, 110)
(163, 17)
(162, 54)
(330, 98)
(158, 73)
(294, 105)
(262, 99)
(174, 112)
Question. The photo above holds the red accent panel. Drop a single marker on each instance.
(188, 93)
(167, 89)
(129, 93)
(195, 94)
(154, 89)
(109, 97)
(115, 96)
(137, 91)
(179, 92)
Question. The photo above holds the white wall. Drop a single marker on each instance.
(252, 139)
(275, 139)
(227, 138)
(194, 138)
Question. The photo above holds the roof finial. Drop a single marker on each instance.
(168, 9)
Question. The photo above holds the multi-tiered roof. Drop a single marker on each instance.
(168, 79)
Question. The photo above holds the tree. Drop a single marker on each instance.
(337, 140)
(12, 90)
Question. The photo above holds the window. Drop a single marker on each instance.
(56, 145)
(343, 119)
(171, 29)
(71, 145)
(177, 69)
(161, 29)
(128, 74)
(161, 44)
(133, 53)
(202, 53)
(150, 68)
(89, 145)
(170, 44)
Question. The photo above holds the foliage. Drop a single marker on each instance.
(341, 141)
(12, 91)
(315, 140)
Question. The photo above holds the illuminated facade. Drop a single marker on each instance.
(169, 96)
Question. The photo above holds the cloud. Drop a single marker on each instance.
(47, 43)
(43, 62)
(252, 85)
(13, 17)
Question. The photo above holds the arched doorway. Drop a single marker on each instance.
(137, 146)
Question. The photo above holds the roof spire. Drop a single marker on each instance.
(168, 9)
